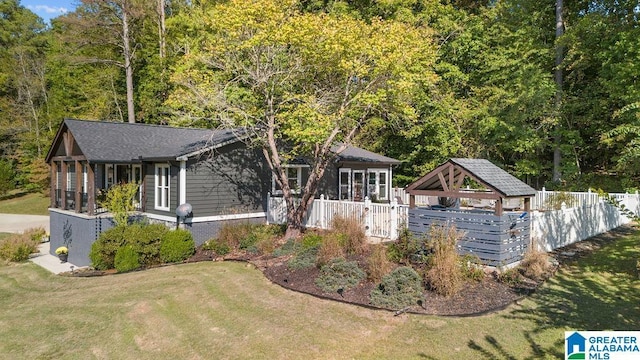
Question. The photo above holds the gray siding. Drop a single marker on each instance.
(77, 233)
(149, 188)
(232, 180)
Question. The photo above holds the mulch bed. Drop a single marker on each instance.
(477, 297)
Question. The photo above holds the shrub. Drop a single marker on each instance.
(126, 259)
(339, 274)
(404, 248)
(354, 238)
(120, 201)
(535, 265)
(217, 247)
(303, 259)
(232, 234)
(398, 289)
(103, 251)
(510, 277)
(176, 245)
(332, 247)
(18, 247)
(7, 177)
(145, 240)
(288, 248)
(261, 238)
(378, 265)
(36, 234)
(311, 240)
(444, 275)
(470, 268)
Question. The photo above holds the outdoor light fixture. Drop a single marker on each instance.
(183, 211)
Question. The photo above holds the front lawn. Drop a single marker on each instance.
(229, 310)
(19, 202)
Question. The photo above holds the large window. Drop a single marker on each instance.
(162, 180)
(352, 184)
(294, 177)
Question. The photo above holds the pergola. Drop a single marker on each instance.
(447, 181)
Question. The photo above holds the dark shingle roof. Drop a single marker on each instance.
(352, 153)
(483, 171)
(495, 177)
(122, 142)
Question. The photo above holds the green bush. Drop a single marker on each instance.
(120, 201)
(471, 268)
(145, 240)
(176, 246)
(103, 251)
(288, 248)
(311, 240)
(217, 247)
(126, 259)
(339, 274)
(404, 248)
(400, 288)
(303, 259)
(7, 177)
(18, 247)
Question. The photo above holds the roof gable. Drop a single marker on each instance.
(449, 177)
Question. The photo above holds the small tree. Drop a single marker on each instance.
(119, 201)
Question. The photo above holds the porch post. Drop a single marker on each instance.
(78, 193)
(183, 183)
(91, 190)
(53, 184)
(368, 223)
(63, 186)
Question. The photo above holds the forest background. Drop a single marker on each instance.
(545, 89)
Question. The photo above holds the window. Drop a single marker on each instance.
(344, 187)
(294, 178)
(378, 188)
(71, 172)
(162, 179)
(352, 185)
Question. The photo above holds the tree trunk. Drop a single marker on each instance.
(557, 139)
(128, 55)
(162, 30)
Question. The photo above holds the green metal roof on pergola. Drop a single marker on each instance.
(447, 180)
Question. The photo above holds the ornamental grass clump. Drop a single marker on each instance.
(444, 273)
(535, 264)
(339, 275)
(400, 288)
(378, 264)
(350, 230)
(18, 247)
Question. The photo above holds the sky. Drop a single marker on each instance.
(48, 9)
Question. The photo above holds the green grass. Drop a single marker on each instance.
(229, 310)
(4, 235)
(18, 202)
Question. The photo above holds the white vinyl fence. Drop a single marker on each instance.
(579, 216)
(379, 220)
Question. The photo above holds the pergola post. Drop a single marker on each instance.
(499, 206)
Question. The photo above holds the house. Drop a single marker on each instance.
(213, 170)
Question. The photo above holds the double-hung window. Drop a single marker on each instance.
(162, 181)
(294, 178)
(378, 184)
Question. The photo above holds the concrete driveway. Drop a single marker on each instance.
(15, 223)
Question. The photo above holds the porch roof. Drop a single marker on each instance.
(102, 141)
(356, 154)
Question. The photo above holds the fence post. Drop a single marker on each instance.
(543, 199)
(367, 216)
(322, 212)
(393, 232)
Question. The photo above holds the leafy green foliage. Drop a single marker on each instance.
(218, 247)
(103, 251)
(176, 245)
(126, 259)
(120, 201)
(7, 177)
(404, 248)
(339, 274)
(303, 259)
(398, 289)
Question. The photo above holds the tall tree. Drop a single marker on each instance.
(100, 29)
(557, 153)
(304, 84)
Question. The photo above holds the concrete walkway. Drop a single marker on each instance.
(17, 223)
(50, 262)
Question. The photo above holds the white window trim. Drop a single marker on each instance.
(158, 185)
(298, 190)
(349, 192)
(377, 173)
